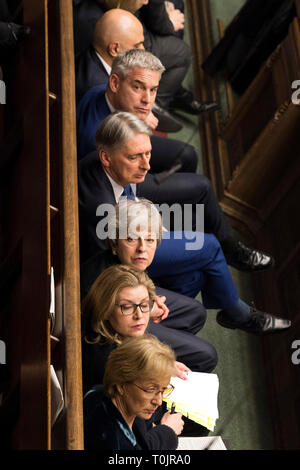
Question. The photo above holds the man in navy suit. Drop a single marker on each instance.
(93, 107)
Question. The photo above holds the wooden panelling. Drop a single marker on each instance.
(39, 171)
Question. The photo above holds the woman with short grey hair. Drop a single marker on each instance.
(137, 377)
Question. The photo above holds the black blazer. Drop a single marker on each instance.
(89, 72)
(106, 429)
(86, 13)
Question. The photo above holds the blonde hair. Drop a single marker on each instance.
(143, 358)
(101, 299)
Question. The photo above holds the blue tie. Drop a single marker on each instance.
(128, 192)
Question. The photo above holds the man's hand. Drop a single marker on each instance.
(151, 121)
(175, 16)
(160, 310)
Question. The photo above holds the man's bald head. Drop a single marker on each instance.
(117, 31)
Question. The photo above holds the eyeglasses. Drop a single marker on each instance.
(166, 392)
(130, 309)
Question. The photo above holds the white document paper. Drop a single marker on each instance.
(57, 398)
(196, 397)
(201, 443)
(198, 392)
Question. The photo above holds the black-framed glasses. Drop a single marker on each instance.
(166, 392)
(130, 308)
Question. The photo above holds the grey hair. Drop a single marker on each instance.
(127, 60)
(118, 128)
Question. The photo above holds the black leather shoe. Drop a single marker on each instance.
(184, 100)
(248, 259)
(166, 122)
(260, 323)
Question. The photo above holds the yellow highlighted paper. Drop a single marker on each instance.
(196, 398)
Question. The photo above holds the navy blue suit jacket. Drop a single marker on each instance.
(89, 72)
(91, 110)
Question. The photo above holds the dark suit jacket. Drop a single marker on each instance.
(89, 72)
(94, 188)
(86, 13)
(91, 110)
(106, 429)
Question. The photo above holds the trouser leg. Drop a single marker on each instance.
(194, 352)
(176, 57)
(185, 313)
(166, 151)
(190, 271)
(189, 189)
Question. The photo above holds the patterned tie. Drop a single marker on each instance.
(128, 192)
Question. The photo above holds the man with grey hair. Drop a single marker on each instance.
(116, 31)
(136, 93)
(132, 87)
(135, 67)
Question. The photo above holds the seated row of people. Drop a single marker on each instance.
(118, 307)
(115, 123)
(122, 302)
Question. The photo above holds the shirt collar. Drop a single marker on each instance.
(117, 188)
(111, 107)
(105, 64)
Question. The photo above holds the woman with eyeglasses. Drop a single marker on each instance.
(135, 238)
(137, 376)
(118, 306)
